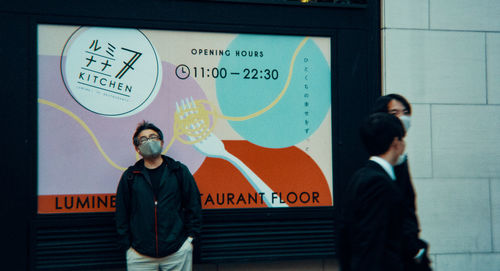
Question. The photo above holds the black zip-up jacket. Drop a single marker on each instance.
(157, 226)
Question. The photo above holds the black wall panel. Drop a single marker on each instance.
(88, 241)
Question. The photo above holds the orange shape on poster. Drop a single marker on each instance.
(289, 172)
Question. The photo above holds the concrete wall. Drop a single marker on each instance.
(444, 56)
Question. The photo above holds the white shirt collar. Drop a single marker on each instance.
(385, 165)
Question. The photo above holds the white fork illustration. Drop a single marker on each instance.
(212, 146)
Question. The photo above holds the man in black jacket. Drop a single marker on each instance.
(158, 209)
(416, 249)
(373, 214)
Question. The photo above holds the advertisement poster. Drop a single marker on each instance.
(248, 114)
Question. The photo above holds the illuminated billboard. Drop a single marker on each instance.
(248, 114)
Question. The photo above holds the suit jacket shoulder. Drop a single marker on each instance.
(370, 177)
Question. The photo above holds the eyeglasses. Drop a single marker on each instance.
(144, 139)
(399, 112)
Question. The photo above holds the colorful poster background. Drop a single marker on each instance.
(250, 115)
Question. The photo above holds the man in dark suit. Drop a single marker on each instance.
(416, 249)
(373, 214)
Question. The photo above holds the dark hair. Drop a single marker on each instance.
(378, 132)
(381, 104)
(144, 125)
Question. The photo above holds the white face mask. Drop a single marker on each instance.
(150, 148)
(401, 159)
(406, 120)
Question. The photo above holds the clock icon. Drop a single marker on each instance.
(182, 71)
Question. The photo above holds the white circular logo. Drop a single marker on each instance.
(111, 71)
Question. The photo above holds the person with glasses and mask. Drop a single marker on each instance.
(158, 207)
(416, 249)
